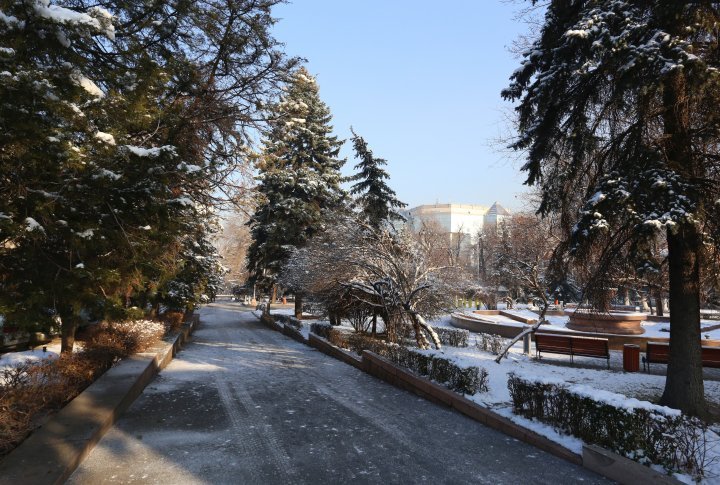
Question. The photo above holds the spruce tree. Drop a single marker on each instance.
(299, 179)
(618, 115)
(375, 199)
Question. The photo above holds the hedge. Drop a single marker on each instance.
(465, 380)
(453, 337)
(639, 430)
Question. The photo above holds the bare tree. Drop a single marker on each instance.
(385, 270)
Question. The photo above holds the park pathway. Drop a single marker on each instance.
(243, 404)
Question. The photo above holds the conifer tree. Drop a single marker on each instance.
(112, 149)
(299, 180)
(375, 199)
(618, 115)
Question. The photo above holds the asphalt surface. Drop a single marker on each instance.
(244, 404)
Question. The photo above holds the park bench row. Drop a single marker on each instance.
(656, 353)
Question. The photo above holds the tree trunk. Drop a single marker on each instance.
(684, 388)
(298, 306)
(68, 327)
(374, 323)
(659, 303)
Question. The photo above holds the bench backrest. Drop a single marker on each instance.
(711, 356)
(657, 352)
(550, 342)
(590, 346)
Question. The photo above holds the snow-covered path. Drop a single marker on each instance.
(243, 404)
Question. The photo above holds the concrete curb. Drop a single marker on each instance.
(327, 348)
(621, 469)
(52, 452)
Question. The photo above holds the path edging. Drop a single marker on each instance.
(53, 451)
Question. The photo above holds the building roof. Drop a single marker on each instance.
(497, 210)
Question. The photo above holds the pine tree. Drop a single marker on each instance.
(299, 180)
(376, 200)
(618, 115)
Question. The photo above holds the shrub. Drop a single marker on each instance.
(290, 320)
(638, 430)
(453, 337)
(465, 380)
(321, 329)
(490, 343)
(121, 339)
(173, 319)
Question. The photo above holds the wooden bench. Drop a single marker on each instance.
(659, 353)
(572, 346)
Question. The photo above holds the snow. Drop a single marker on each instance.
(33, 225)
(86, 234)
(149, 152)
(105, 137)
(87, 84)
(559, 322)
(80, 266)
(105, 173)
(580, 34)
(12, 359)
(596, 198)
(11, 21)
(98, 18)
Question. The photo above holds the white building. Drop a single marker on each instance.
(456, 218)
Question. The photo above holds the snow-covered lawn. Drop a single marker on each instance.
(559, 322)
(12, 359)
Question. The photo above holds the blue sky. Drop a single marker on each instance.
(421, 82)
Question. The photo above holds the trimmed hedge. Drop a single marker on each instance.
(638, 430)
(465, 380)
(453, 337)
(321, 329)
(290, 320)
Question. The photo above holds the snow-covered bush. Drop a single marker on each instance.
(465, 380)
(639, 430)
(290, 320)
(453, 337)
(321, 329)
(490, 343)
(116, 340)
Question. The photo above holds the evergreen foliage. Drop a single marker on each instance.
(113, 148)
(618, 116)
(299, 180)
(375, 199)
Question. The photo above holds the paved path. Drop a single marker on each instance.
(243, 404)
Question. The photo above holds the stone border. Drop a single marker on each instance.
(53, 451)
(621, 469)
(327, 348)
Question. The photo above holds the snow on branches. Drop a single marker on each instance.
(380, 269)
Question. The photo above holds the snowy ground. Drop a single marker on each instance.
(12, 359)
(558, 323)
